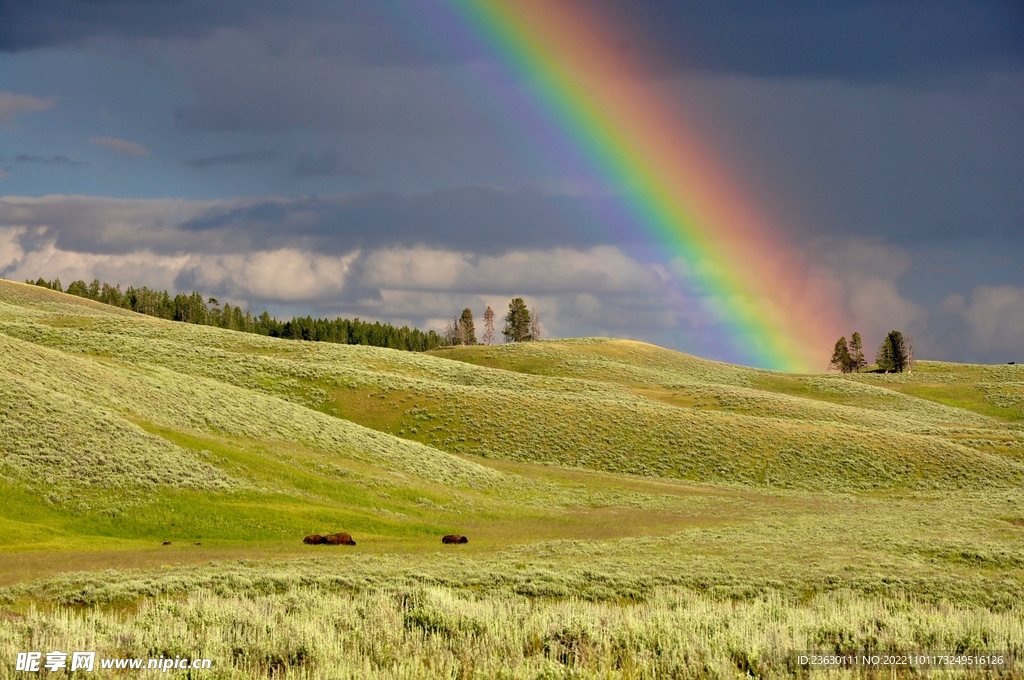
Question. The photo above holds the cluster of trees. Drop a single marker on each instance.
(521, 325)
(462, 331)
(209, 312)
(848, 357)
(895, 354)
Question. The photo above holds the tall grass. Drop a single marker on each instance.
(445, 633)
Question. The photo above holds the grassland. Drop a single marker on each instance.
(633, 512)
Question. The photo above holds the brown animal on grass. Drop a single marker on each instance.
(167, 542)
(339, 539)
(314, 539)
(454, 538)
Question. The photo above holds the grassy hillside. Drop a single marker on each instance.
(587, 471)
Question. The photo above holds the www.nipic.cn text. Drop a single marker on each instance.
(34, 662)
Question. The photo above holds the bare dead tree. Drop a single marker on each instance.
(452, 335)
(908, 349)
(534, 325)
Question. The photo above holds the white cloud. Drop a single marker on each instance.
(47, 261)
(269, 258)
(13, 104)
(283, 275)
(577, 292)
(10, 250)
(120, 146)
(601, 269)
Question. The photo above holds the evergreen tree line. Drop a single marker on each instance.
(194, 309)
(521, 325)
(894, 355)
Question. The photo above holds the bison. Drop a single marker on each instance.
(314, 539)
(454, 538)
(339, 539)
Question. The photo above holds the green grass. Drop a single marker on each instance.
(437, 632)
(632, 511)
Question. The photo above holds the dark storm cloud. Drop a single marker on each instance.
(33, 24)
(240, 85)
(898, 125)
(383, 68)
(903, 163)
(52, 160)
(360, 31)
(848, 39)
(238, 158)
(845, 39)
(468, 219)
(473, 219)
(327, 164)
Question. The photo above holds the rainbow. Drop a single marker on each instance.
(759, 298)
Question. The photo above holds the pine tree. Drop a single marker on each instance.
(517, 321)
(488, 336)
(883, 357)
(892, 354)
(192, 309)
(79, 288)
(841, 356)
(467, 332)
(857, 361)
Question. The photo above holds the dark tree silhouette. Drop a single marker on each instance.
(517, 321)
(892, 353)
(196, 309)
(467, 332)
(841, 356)
(857, 361)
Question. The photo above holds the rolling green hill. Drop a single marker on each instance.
(598, 469)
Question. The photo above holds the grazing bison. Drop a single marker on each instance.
(454, 538)
(339, 539)
(167, 542)
(314, 539)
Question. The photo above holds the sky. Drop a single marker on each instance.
(362, 159)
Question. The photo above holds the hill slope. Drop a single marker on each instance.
(853, 512)
(607, 405)
(131, 429)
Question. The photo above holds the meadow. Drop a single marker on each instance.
(632, 511)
